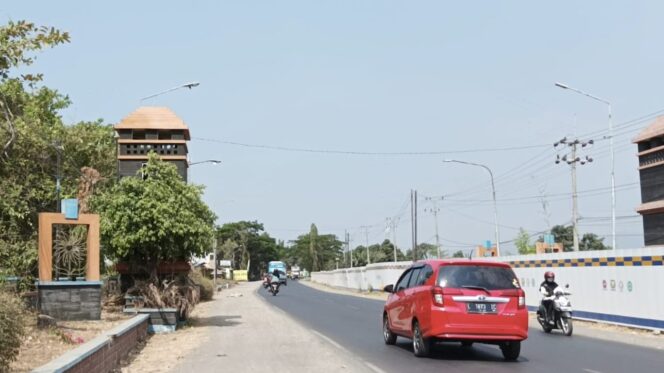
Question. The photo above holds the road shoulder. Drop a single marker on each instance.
(247, 334)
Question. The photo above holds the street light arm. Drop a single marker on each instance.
(189, 85)
(213, 161)
(472, 164)
(565, 86)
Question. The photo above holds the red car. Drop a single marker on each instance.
(458, 300)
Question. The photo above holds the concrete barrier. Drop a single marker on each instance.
(619, 287)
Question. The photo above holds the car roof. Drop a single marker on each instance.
(459, 261)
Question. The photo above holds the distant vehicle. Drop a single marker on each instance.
(295, 272)
(457, 300)
(281, 266)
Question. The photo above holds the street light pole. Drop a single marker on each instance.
(493, 190)
(613, 162)
(189, 85)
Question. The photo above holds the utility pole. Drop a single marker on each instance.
(392, 226)
(395, 224)
(214, 271)
(413, 215)
(571, 159)
(58, 177)
(435, 210)
(613, 161)
(348, 240)
(350, 255)
(366, 235)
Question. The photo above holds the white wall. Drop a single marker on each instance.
(374, 276)
(642, 306)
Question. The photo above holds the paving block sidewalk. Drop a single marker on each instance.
(246, 334)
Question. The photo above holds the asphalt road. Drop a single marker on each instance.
(355, 324)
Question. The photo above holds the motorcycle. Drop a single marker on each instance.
(562, 312)
(273, 286)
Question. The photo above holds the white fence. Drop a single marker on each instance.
(620, 287)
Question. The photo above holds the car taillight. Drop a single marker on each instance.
(522, 299)
(437, 293)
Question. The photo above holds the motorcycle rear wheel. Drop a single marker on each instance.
(543, 323)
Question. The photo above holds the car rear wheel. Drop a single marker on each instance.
(389, 337)
(421, 345)
(511, 350)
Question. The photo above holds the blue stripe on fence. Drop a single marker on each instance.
(618, 319)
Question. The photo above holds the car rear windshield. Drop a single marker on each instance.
(476, 276)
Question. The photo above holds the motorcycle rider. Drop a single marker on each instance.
(546, 288)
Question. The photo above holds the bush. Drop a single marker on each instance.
(206, 285)
(12, 328)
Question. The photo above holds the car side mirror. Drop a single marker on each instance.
(389, 288)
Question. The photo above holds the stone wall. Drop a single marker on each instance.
(70, 300)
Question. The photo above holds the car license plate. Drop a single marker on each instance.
(481, 307)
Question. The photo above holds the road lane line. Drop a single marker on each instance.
(353, 307)
(373, 367)
(591, 371)
(329, 340)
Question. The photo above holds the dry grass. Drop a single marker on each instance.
(43, 345)
(163, 352)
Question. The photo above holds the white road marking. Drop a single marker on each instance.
(373, 367)
(591, 371)
(329, 340)
(353, 307)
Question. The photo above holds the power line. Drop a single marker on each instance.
(357, 152)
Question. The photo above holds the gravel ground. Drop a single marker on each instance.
(43, 345)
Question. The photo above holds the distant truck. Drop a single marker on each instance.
(295, 272)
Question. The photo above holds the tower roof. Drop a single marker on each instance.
(655, 129)
(153, 118)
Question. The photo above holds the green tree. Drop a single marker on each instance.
(18, 43)
(565, 235)
(313, 248)
(321, 252)
(32, 137)
(424, 251)
(458, 254)
(591, 241)
(246, 243)
(161, 218)
(522, 243)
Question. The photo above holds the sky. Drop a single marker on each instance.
(367, 83)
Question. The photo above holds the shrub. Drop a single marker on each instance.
(12, 328)
(206, 285)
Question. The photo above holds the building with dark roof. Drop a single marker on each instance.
(147, 129)
(650, 143)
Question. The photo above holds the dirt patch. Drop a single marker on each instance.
(43, 345)
(162, 352)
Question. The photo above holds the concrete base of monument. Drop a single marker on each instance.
(162, 320)
(70, 300)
